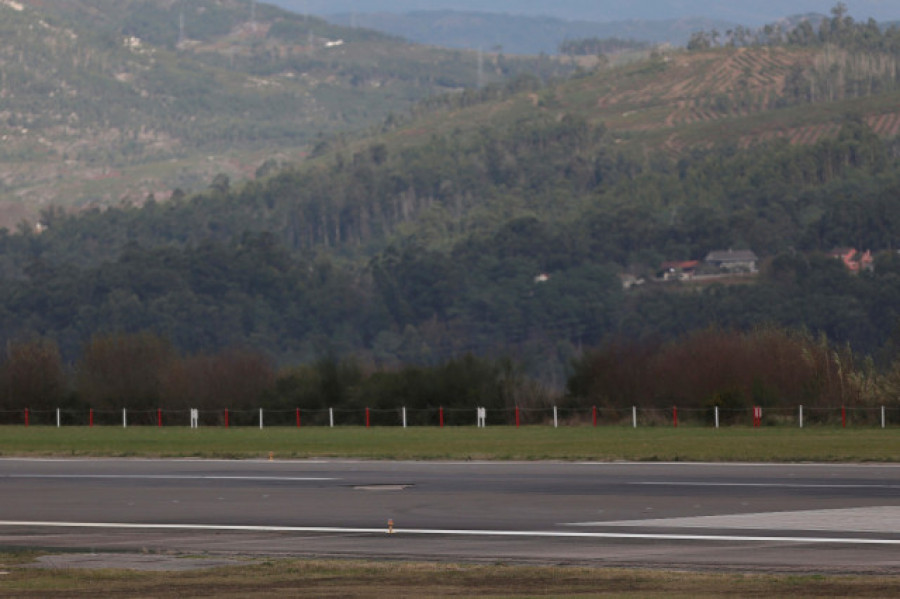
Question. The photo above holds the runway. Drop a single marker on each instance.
(803, 517)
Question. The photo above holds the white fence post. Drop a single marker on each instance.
(634, 416)
(124, 418)
(717, 416)
(404, 416)
(882, 417)
(57, 418)
(555, 418)
(801, 415)
(331, 417)
(260, 419)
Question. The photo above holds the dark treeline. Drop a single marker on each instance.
(144, 372)
(769, 367)
(840, 30)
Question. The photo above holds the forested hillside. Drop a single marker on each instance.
(497, 221)
(458, 267)
(106, 101)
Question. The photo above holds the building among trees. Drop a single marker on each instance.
(732, 260)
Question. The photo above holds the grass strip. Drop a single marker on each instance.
(731, 444)
(316, 578)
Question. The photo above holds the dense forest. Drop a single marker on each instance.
(419, 257)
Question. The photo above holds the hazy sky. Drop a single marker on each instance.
(748, 12)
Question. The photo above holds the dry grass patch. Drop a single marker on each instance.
(312, 578)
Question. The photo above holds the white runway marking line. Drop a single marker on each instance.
(170, 477)
(462, 533)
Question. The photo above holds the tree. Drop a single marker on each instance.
(221, 183)
(33, 375)
(124, 371)
(699, 40)
(234, 379)
(839, 12)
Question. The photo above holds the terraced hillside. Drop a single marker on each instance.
(677, 100)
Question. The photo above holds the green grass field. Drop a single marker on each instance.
(781, 444)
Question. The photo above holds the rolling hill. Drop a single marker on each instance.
(110, 102)
(106, 102)
(677, 101)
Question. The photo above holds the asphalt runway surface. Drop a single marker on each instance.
(745, 517)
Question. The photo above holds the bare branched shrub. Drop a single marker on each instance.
(732, 370)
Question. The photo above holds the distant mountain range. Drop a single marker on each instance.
(751, 14)
(519, 34)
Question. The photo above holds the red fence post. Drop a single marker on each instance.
(442, 416)
(159, 417)
(594, 415)
(226, 417)
(298, 417)
(517, 416)
(675, 416)
(367, 418)
(26, 417)
(92, 417)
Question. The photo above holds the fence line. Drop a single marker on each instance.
(439, 416)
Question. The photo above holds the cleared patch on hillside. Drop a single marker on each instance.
(701, 99)
(701, 87)
(886, 125)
